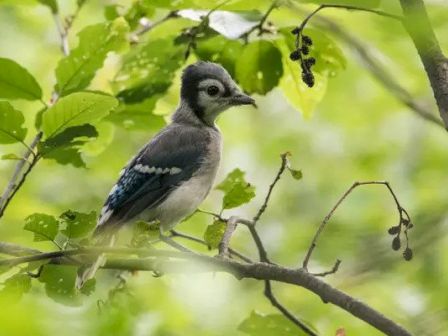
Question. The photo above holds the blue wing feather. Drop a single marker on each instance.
(148, 178)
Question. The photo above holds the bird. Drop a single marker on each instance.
(174, 172)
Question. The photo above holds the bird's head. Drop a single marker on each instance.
(208, 90)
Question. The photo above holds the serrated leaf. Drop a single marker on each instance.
(148, 70)
(259, 67)
(220, 50)
(237, 190)
(16, 286)
(16, 82)
(213, 234)
(75, 71)
(45, 227)
(11, 124)
(67, 156)
(267, 325)
(76, 109)
(67, 137)
(52, 4)
(59, 281)
(78, 224)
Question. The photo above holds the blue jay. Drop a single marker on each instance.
(173, 173)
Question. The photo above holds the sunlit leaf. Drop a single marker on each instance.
(295, 173)
(10, 156)
(76, 109)
(357, 3)
(75, 71)
(44, 227)
(213, 234)
(59, 283)
(259, 67)
(52, 4)
(16, 82)
(148, 70)
(11, 124)
(78, 224)
(229, 24)
(237, 190)
(267, 325)
(16, 286)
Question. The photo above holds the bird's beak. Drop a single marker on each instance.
(242, 99)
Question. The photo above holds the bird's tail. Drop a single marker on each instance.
(87, 272)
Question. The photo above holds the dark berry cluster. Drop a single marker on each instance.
(403, 226)
(303, 44)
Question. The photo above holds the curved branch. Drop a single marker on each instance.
(179, 262)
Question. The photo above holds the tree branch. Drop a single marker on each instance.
(175, 262)
(18, 178)
(404, 219)
(377, 70)
(419, 28)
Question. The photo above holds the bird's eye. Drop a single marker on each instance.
(212, 90)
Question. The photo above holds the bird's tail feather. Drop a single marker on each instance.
(87, 272)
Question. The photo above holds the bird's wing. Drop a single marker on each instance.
(171, 157)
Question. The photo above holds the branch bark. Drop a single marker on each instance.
(418, 26)
(179, 262)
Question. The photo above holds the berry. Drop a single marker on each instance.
(309, 62)
(407, 254)
(295, 55)
(308, 78)
(396, 243)
(306, 40)
(295, 31)
(305, 50)
(394, 230)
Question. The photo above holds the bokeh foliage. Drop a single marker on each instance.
(115, 94)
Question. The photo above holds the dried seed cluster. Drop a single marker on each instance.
(303, 44)
(403, 226)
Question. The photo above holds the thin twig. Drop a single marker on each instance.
(332, 271)
(271, 297)
(146, 28)
(313, 244)
(377, 70)
(282, 168)
(14, 183)
(63, 34)
(224, 243)
(260, 25)
(232, 252)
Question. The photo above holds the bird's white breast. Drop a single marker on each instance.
(186, 198)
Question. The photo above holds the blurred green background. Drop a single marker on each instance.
(358, 131)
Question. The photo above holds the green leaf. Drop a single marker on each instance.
(16, 286)
(213, 234)
(220, 50)
(16, 82)
(78, 224)
(59, 281)
(52, 4)
(259, 67)
(267, 325)
(329, 60)
(357, 3)
(75, 71)
(138, 10)
(296, 174)
(10, 156)
(148, 70)
(76, 109)
(237, 190)
(11, 124)
(138, 116)
(144, 234)
(89, 287)
(44, 227)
